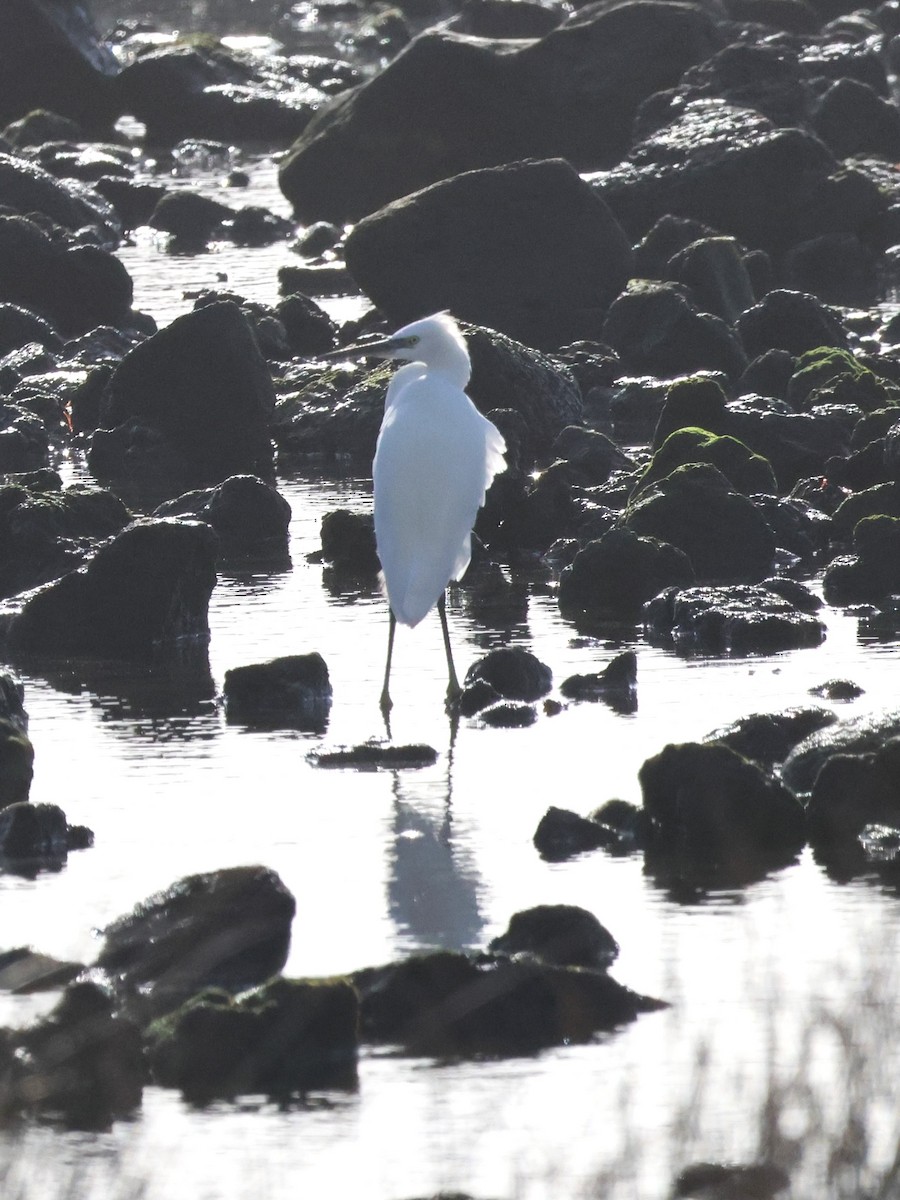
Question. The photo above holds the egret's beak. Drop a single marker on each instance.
(384, 348)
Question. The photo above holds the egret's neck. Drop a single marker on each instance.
(452, 361)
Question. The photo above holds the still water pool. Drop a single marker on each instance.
(781, 1040)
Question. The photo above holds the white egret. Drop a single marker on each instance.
(435, 459)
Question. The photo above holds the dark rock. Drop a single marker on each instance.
(249, 515)
(837, 689)
(562, 834)
(856, 736)
(38, 126)
(652, 327)
(792, 321)
(873, 571)
(797, 445)
(310, 330)
(852, 791)
(505, 19)
(16, 761)
(616, 683)
(477, 696)
(348, 543)
(84, 1062)
(513, 672)
(710, 800)
(507, 715)
(715, 271)
(769, 373)
(12, 701)
(767, 187)
(228, 929)
(881, 500)
(627, 823)
(284, 1038)
(558, 933)
(29, 190)
(745, 471)
(732, 1181)
(836, 267)
(202, 383)
(722, 532)
(571, 94)
(74, 288)
(33, 831)
(371, 756)
(189, 217)
(527, 249)
(132, 201)
(23, 972)
(738, 619)
(293, 692)
(146, 590)
(18, 327)
(616, 574)
(592, 454)
(317, 238)
(52, 57)
(768, 738)
(447, 1004)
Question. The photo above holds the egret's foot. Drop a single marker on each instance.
(385, 703)
(454, 695)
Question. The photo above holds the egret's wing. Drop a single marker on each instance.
(435, 459)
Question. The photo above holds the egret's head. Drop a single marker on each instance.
(435, 341)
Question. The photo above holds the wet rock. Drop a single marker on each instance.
(881, 500)
(507, 715)
(228, 929)
(653, 327)
(745, 471)
(133, 202)
(768, 738)
(250, 516)
(860, 735)
(571, 94)
(203, 385)
(52, 57)
(196, 90)
(852, 791)
(12, 701)
(873, 571)
(317, 238)
(189, 217)
(83, 1063)
(29, 190)
(18, 327)
(737, 619)
(558, 933)
(74, 288)
(796, 445)
(309, 329)
(372, 756)
(16, 762)
(513, 672)
(34, 832)
(46, 530)
(40, 125)
(591, 454)
(711, 801)
(728, 166)
(449, 1004)
(145, 591)
(22, 972)
(792, 321)
(348, 543)
(837, 689)
(561, 834)
(715, 271)
(293, 692)
(731, 1181)
(616, 684)
(527, 249)
(615, 575)
(836, 267)
(721, 531)
(281, 1039)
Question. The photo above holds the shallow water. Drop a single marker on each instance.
(781, 1039)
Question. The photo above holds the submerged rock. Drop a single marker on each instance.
(448, 1004)
(292, 692)
(740, 619)
(228, 929)
(143, 592)
(281, 1039)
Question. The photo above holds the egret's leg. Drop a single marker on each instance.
(454, 691)
(386, 702)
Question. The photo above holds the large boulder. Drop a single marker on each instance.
(144, 591)
(731, 168)
(201, 384)
(51, 57)
(857, 736)
(615, 575)
(228, 929)
(571, 94)
(526, 248)
(25, 188)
